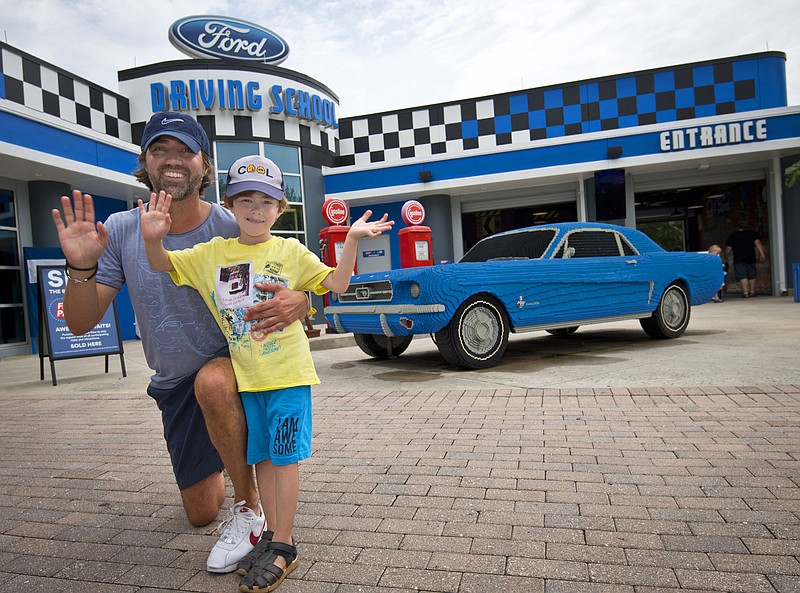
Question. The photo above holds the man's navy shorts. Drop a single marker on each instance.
(190, 449)
(744, 270)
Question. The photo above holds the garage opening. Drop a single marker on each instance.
(696, 217)
(477, 225)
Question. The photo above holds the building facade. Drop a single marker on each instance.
(684, 153)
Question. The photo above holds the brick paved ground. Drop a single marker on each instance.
(530, 491)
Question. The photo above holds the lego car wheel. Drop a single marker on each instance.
(477, 335)
(671, 317)
(382, 347)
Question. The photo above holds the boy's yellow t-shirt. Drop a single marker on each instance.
(225, 272)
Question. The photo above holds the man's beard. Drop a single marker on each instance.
(180, 189)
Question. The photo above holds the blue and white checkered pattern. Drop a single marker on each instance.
(730, 85)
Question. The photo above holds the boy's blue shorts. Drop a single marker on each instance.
(278, 425)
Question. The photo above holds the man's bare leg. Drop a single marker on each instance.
(202, 500)
(215, 388)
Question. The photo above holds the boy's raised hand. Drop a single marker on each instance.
(362, 228)
(155, 219)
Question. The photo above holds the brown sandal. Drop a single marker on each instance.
(264, 575)
(246, 563)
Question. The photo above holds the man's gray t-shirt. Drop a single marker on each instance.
(178, 333)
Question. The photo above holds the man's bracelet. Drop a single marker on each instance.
(70, 266)
(81, 280)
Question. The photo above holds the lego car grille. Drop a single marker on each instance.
(367, 291)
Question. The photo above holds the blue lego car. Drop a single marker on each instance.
(554, 277)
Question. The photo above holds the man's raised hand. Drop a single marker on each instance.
(82, 239)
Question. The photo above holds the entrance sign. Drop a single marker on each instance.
(56, 342)
(716, 135)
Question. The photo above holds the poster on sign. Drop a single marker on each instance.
(56, 342)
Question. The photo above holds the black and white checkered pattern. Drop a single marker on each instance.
(244, 128)
(45, 88)
(230, 127)
(48, 89)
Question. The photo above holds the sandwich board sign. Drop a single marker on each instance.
(56, 342)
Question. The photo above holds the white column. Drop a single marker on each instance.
(630, 208)
(777, 250)
(458, 236)
(581, 199)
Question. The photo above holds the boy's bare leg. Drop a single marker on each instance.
(216, 391)
(265, 474)
(281, 501)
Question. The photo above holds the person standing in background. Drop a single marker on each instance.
(744, 244)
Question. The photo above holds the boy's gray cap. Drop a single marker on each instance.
(255, 173)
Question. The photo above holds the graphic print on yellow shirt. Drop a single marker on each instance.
(236, 290)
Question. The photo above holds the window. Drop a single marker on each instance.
(12, 312)
(519, 245)
(292, 222)
(627, 249)
(590, 244)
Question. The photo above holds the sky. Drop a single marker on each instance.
(381, 55)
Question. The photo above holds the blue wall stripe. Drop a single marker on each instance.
(778, 128)
(43, 138)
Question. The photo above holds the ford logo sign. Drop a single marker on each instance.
(227, 38)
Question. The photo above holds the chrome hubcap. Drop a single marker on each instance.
(480, 330)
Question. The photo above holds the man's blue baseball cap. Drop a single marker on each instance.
(178, 125)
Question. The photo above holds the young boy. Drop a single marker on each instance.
(717, 250)
(274, 372)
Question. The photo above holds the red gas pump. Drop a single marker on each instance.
(331, 238)
(331, 243)
(416, 245)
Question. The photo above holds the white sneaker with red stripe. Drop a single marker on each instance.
(239, 533)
